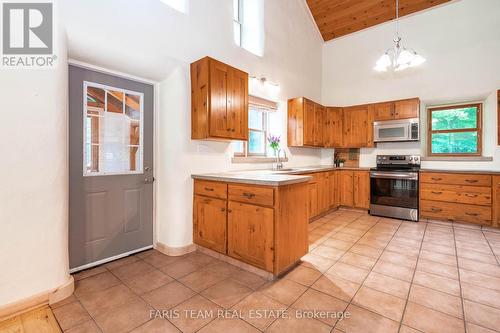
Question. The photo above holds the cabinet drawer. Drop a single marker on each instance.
(210, 189)
(455, 212)
(455, 179)
(474, 195)
(251, 194)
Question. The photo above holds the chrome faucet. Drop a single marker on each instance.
(279, 163)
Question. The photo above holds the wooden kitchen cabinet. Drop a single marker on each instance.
(357, 126)
(305, 123)
(333, 128)
(402, 109)
(460, 197)
(250, 234)
(361, 189)
(313, 198)
(346, 188)
(407, 108)
(219, 101)
(209, 223)
(263, 226)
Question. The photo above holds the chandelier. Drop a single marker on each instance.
(398, 57)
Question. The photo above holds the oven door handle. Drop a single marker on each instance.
(395, 175)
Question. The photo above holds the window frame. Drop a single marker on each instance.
(265, 130)
(478, 129)
(238, 21)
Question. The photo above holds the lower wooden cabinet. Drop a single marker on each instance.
(250, 234)
(346, 188)
(209, 223)
(361, 192)
(458, 197)
(264, 226)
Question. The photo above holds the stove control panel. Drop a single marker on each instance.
(398, 160)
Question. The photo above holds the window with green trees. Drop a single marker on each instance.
(455, 130)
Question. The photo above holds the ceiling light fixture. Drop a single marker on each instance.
(399, 57)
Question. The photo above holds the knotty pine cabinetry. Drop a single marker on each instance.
(313, 125)
(264, 226)
(331, 189)
(457, 197)
(402, 109)
(305, 123)
(219, 101)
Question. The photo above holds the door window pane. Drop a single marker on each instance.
(113, 131)
(454, 143)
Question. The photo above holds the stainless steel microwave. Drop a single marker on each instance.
(396, 130)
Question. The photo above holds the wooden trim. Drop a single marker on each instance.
(175, 251)
(498, 116)
(44, 298)
(478, 129)
(262, 102)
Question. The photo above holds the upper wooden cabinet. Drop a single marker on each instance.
(333, 128)
(357, 128)
(402, 109)
(219, 101)
(305, 123)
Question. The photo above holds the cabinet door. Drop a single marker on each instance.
(361, 189)
(309, 121)
(237, 104)
(209, 229)
(383, 111)
(250, 234)
(319, 124)
(408, 108)
(323, 192)
(496, 201)
(333, 128)
(218, 99)
(356, 131)
(313, 199)
(346, 188)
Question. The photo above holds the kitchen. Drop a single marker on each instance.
(280, 167)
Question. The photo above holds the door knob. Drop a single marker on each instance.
(147, 169)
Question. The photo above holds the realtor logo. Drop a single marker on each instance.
(27, 34)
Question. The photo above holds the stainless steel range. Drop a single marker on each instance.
(394, 187)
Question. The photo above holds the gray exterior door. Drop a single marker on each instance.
(111, 167)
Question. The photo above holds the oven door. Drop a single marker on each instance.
(387, 132)
(395, 189)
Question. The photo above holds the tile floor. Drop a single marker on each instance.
(385, 275)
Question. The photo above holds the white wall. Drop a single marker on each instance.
(461, 42)
(34, 177)
(157, 42)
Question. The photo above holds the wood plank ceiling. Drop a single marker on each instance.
(337, 18)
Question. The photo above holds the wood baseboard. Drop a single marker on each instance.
(175, 251)
(42, 299)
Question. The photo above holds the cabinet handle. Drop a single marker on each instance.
(471, 195)
(229, 210)
(436, 210)
(471, 180)
(436, 192)
(223, 209)
(209, 189)
(472, 214)
(248, 195)
(436, 178)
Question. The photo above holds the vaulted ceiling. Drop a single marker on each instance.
(337, 18)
